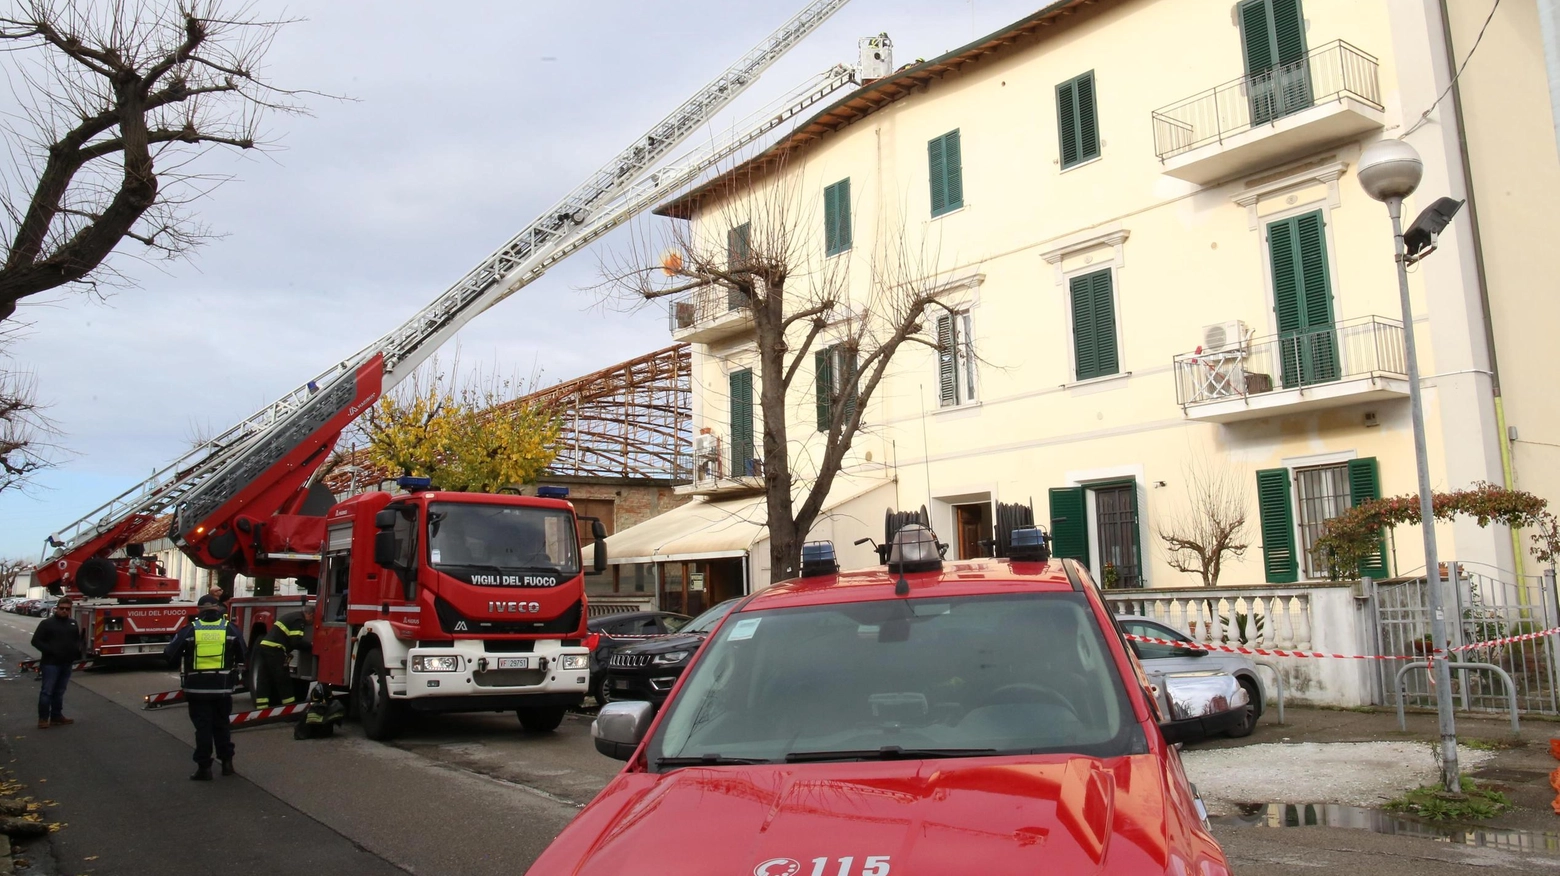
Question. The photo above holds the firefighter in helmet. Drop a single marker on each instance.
(273, 684)
(210, 648)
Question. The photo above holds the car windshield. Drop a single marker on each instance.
(707, 621)
(502, 538)
(674, 623)
(930, 677)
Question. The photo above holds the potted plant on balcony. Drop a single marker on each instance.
(1112, 576)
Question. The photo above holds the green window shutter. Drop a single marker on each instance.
(741, 421)
(1288, 31)
(936, 165)
(1302, 300)
(945, 168)
(836, 218)
(847, 364)
(1067, 121)
(823, 379)
(739, 245)
(953, 171)
(1076, 120)
(1278, 527)
(1069, 524)
(1256, 34)
(1364, 485)
(1088, 121)
(947, 362)
(1094, 325)
(1278, 79)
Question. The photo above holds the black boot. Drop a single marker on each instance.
(202, 773)
(227, 768)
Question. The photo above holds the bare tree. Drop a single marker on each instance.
(10, 570)
(1212, 527)
(118, 100)
(760, 252)
(26, 447)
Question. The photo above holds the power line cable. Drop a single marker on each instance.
(1425, 117)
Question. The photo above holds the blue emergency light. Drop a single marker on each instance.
(818, 559)
(413, 484)
(551, 492)
(1029, 544)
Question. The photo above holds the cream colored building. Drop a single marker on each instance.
(1146, 216)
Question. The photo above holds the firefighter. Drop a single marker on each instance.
(273, 685)
(210, 648)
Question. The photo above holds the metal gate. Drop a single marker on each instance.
(1479, 607)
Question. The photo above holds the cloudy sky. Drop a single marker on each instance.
(466, 120)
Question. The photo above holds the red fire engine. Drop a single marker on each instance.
(406, 618)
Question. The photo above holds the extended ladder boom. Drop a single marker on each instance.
(212, 474)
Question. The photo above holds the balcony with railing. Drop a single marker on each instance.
(1352, 362)
(709, 314)
(1329, 96)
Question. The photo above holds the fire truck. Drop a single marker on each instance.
(404, 621)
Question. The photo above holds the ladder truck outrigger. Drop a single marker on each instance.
(427, 600)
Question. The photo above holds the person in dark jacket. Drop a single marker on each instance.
(58, 640)
(210, 648)
(273, 684)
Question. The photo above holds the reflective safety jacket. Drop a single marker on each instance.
(210, 651)
(286, 633)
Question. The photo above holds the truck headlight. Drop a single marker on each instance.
(429, 663)
(576, 661)
(670, 658)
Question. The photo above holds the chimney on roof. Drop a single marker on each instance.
(877, 57)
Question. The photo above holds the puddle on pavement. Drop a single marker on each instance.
(1390, 823)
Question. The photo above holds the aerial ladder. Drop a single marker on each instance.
(249, 500)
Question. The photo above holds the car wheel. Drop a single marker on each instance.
(380, 716)
(541, 719)
(598, 685)
(1248, 721)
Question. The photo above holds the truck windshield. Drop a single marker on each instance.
(903, 678)
(502, 538)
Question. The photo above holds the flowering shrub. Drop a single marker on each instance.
(1352, 536)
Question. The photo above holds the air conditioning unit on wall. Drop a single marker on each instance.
(1223, 337)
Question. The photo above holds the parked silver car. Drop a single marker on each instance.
(1172, 659)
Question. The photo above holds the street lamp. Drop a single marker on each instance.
(1390, 171)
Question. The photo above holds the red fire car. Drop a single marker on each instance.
(980, 717)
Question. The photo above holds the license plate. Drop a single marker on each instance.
(514, 662)
(620, 684)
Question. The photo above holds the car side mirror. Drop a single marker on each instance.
(599, 556)
(384, 548)
(384, 519)
(620, 727)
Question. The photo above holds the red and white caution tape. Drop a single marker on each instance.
(1508, 640)
(1274, 652)
(1269, 652)
(33, 665)
(167, 697)
(275, 712)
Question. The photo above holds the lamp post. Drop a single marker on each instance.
(1390, 171)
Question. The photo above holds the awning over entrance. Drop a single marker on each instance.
(706, 530)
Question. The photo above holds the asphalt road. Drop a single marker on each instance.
(462, 794)
(456, 794)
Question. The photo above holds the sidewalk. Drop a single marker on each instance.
(120, 788)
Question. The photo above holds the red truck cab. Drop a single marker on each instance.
(979, 717)
(440, 601)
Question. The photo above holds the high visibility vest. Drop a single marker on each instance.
(210, 645)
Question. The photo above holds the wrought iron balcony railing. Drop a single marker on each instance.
(1370, 346)
(1332, 72)
(702, 307)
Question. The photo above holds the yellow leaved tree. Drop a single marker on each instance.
(477, 436)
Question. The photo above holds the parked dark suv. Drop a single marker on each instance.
(648, 671)
(627, 628)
